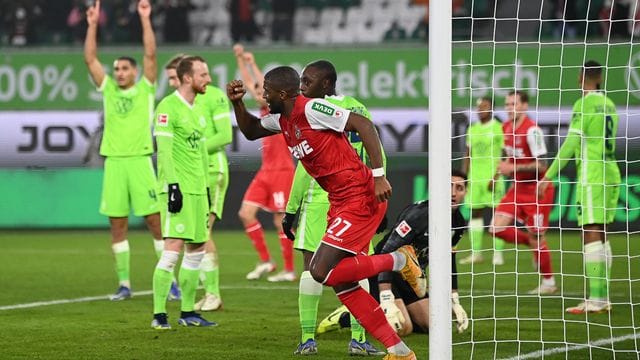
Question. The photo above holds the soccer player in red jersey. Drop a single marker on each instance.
(314, 130)
(270, 187)
(524, 145)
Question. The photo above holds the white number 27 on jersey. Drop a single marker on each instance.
(338, 222)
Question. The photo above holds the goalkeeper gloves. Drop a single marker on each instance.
(287, 225)
(461, 315)
(391, 312)
(175, 198)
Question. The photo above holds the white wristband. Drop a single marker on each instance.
(378, 172)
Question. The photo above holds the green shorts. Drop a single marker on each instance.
(597, 203)
(312, 225)
(479, 196)
(219, 182)
(129, 180)
(190, 224)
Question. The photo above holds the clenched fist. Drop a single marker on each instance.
(235, 90)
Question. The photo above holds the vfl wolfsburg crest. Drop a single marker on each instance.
(322, 108)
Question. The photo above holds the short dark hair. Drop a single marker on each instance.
(522, 95)
(592, 70)
(327, 68)
(486, 99)
(131, 60)
(173, 63)
(185, 66)
(459, 173)
(284, 78)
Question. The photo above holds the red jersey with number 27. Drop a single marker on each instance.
(314, 132)
(523, 145)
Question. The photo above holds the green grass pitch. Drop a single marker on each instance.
(260, 319)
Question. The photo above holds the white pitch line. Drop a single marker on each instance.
(233, 287)
(135, 293)
(563, 349)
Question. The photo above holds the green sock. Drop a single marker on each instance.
(595, 263)
(309, 293)
(188, 284)
(122, 255)
(161, 285)
(475, 234)
(211, 280)
(498, 244)
(357, 331)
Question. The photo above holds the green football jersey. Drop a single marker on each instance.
(304, 187)
(485, 142)
(128, 115)
(185, 125)
(214, 104)
(595, 120)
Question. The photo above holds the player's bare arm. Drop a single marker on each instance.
(150, 63)
(247, 122)
(91, 44)
(371, 143)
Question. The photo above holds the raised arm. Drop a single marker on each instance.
(91, 45)
(248, 124)
(150, 62)
(371, 143)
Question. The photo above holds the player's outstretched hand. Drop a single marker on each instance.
(144, 8)
(542, 187)
(235, 90)
(93, 13)
(238, 50)
(462, 319)
(175, 198)
(391, 311)
(248, 57)
(287, 225)
(382, 188)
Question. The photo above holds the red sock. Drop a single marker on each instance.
(513, 235)
(255, 233)
(356, 268)
(542, 257)
(370, 315)
(286, 246)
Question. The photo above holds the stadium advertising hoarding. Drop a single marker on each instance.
(62, 138)
(380, 78)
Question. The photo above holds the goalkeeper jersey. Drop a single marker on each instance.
(185, 125)
(214, 105)
(128, 115)
(304, 187)
(595, 120)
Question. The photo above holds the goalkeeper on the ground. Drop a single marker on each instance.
(405, 311)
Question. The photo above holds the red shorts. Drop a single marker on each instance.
(521, 202)
(351, 227)
(269, 190)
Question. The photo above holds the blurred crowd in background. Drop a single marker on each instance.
(222, 22)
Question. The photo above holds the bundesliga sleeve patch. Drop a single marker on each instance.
(163, 119)
(403, 229)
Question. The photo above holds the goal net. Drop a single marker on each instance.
(563, 292)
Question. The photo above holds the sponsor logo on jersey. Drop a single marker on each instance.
(403, 228)
(301, 150)
(323, 109)
(163, 119)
